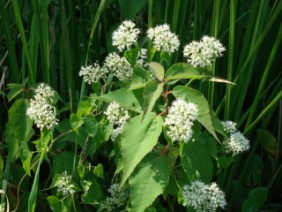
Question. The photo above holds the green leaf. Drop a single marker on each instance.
(131, 55)
(148, 181)
(186, 71)
(84, 108)
(26, 156)
(256, 198)
(196, 160)
(157, 70)
(139, 137)
(130, 8)
(15, 90)
(99, 132)
(56, 204)
(123, 97)
(151, 94)
(75, 121)
(19, 127)
(196, 97)
(63, 162)
(268, 141)
(99, 171)
(139, 79)
(92, 191)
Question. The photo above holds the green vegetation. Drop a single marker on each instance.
(110, 143)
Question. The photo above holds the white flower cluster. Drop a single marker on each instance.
(118, 116)
(203, 197)
(117, 198)
(41, 110)
(92, 73)
(204, 52)
(125, 36)
(64, 184)
(236, 143)
(180, 120)
(120, 67)
(163, 39)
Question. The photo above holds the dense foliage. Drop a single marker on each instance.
(140, 106)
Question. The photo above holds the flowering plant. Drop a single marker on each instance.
(143, 128)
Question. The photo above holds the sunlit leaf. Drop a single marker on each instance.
(139, 137)
(148, 181)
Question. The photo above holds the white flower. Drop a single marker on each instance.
(213, 46)
(142, 58)
(64, 184)
(120, 67)
(117, 198)
(118, 116)
(204, 52)
(125, 36)
(194, 194)
(203, 197)
(44, 91)
(163, 39)
(229, 126)
(92, 73)
(236, 144)
(216, 197)
(180, 120)
(40, 110)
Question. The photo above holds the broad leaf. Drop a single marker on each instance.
(196, 97)
(98, 133)
(19, 127)
(26, 156)
(92, 191)
(152, 92)
(139, 79)
(186, 71)
(131, 55)
(196, 160)
(75, 121)
(14, 90)
(139, 137)
(148, 181)
(63, 162)
(123, 97)
(256, 198)
(268, 141)
(56, 204)
(157, 70)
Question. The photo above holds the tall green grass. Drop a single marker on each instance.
(49, 40)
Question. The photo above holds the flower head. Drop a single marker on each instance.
(125, 36)
(229, 126)
(117, 198)
(120, 67)
(204, 52)
(92, 73)
(118, 116)
(64, 184)
(40, 110)
(236, 142)
(203, 197)
(163, 39)
(180, 120)
(44, 91)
